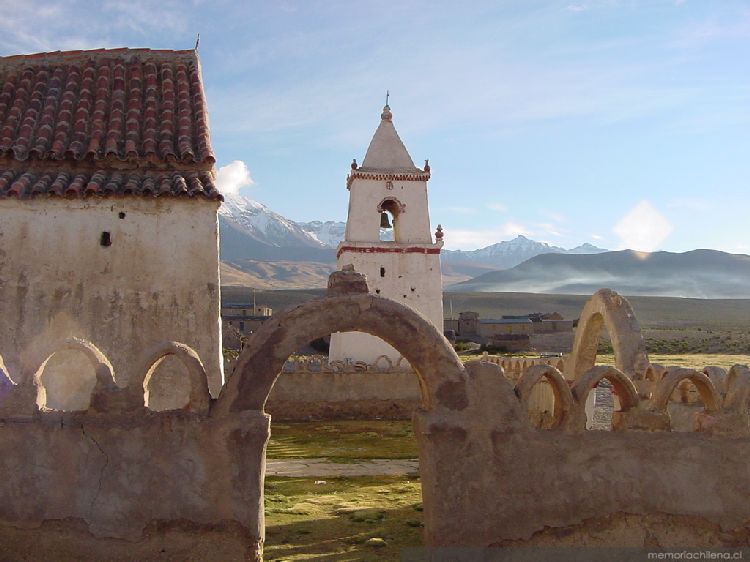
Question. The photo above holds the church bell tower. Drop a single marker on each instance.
(388, 238)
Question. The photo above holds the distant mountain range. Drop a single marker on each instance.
(265, 250)
(695, 274)
(276, 252)
(504, 255)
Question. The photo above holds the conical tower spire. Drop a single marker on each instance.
(386, 151)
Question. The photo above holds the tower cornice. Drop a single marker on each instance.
(379, 175)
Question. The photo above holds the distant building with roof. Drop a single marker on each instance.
(108, 214)
(245, 317)
(511, 332)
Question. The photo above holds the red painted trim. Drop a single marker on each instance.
(378, 250)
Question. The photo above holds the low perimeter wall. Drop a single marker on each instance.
(362, 395)
(301, 393)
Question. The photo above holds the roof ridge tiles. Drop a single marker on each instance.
(101, 52)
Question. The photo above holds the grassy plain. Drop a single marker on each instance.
(652, 312)
(693, 361)
(364, 518)
(342, 441)
(670, 325)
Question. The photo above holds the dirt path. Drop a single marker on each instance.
(322, 468)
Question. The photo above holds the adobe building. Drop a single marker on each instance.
(388, 190)
(108, 218)
(245, 317)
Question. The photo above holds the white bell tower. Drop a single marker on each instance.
(401, 263)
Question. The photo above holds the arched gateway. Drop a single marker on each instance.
(442, 376)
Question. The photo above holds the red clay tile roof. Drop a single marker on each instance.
(133, 105)
(27, 184)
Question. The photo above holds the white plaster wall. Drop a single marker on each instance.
(159, 280)
(363, 222)
(412, 279)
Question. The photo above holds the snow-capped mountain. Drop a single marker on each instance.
(586, 248)
(504, 255)
(252, 233)
(265, 225)
(328, 233)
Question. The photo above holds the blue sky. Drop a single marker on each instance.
(619, 123)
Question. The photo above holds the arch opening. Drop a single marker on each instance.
(167, 385)
(608, 310)
(440, 373)
(545, 394)
(614, 383)
(391, 209)
(67, 377)
(174, 378)
(676, 384)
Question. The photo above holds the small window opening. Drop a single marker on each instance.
(106, 239)
(382, 272)
(377, 291)
(413, 289)
(121, 215)
(404, 296)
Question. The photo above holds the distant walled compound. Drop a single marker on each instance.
(119, 481)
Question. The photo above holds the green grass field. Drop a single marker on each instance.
(362, 518)
(694, 361)
(342, 441)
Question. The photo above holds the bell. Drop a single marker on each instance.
(384, 222)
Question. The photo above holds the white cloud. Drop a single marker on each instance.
(597, 237)
(576, 7)
(499, 207)
(232, 177)
(643, 228)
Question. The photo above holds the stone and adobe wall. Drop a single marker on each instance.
(157, 281)
(119, 481)
(108, 219)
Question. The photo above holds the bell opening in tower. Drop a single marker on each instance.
(389, 211)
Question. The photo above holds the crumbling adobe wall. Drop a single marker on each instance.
(87, 483)
(514, 485)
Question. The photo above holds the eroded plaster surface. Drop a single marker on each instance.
(155, 279)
